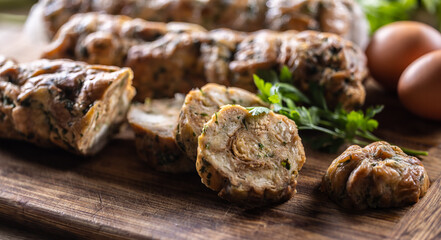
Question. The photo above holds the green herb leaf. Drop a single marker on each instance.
(372, 124)
(264, 88)
(274, 99)
(255, 111)
(333, 127)
(289, 92)
(382, 12)
(285, 74)
(372, 111)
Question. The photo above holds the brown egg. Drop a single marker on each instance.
(419, 87)
(395, 46)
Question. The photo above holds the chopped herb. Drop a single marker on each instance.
(269, 155)
(194, 134)
(203, 114)
(255, 111)
(216, 118)
(204, 129)
(260, 146)
(285, 163)
(335, 126)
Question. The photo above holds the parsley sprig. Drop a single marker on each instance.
(335, 127)
(382, 12)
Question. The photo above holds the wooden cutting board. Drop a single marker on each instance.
(115, 195)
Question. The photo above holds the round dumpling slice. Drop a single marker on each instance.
(250, 160)
(200, 105)
(377, 176)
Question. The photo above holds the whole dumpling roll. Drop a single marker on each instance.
(379, 175)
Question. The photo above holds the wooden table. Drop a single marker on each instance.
(115, 195)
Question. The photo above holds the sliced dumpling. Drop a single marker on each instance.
(154, 123)
(250, 160)
(63, 103)
(200, 105)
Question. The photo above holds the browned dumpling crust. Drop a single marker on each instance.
(342, 17)
(323, 59)
(63, 103)
(250, 160)
(200, 105)
(176, 57)
(154, 123)
(379, 175)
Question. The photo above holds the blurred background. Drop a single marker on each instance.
(13, 15)
(378, 12)
(382, 12)
(14, 10)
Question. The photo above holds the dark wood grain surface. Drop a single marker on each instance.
(422, 221)
(115, 195)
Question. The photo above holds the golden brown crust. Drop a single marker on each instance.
(378, 176)
(343, 17)
(200, 105)
(174, 65)
(154, 123)
(176, 57)
(323, 59)
(250, 160)
(68, 104)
